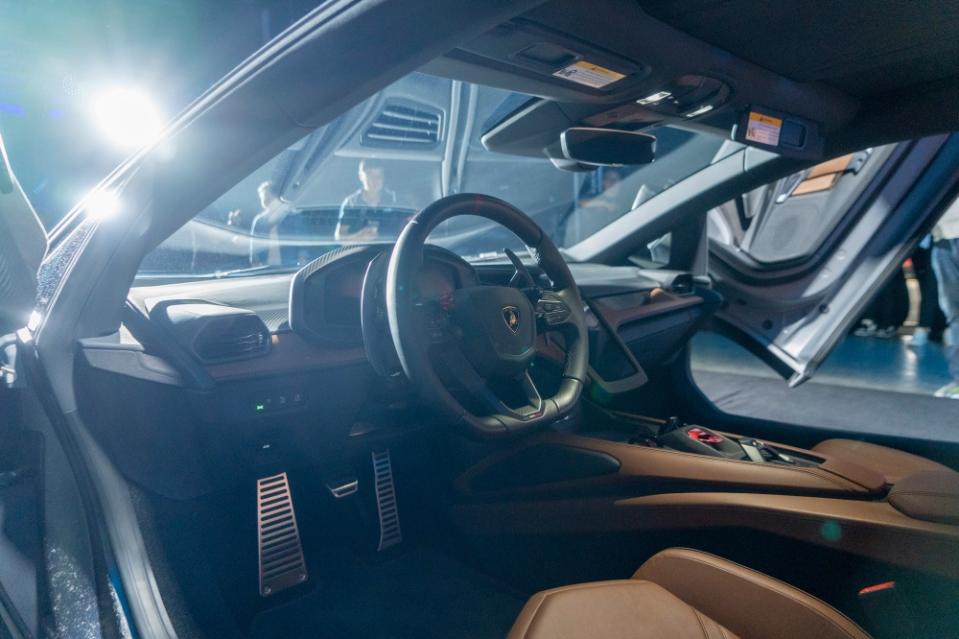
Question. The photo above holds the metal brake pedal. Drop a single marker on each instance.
(280, 552)
(386, 506)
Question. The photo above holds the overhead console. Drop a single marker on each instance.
(688, 96)
(625, 74)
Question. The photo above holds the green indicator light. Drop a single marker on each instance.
(260, 408)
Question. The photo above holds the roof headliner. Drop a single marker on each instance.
(869, 73)
(862, 48)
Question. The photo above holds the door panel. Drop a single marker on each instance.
(23, 243)
(793, 306)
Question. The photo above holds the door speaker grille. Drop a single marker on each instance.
(386, 506)
(280, 551)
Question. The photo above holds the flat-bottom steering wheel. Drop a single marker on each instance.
(485, 336)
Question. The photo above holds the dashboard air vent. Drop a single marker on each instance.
(682, 284)
(404, 125)
(232, 338)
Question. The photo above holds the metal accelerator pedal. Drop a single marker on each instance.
(281, 554)
(386, 507)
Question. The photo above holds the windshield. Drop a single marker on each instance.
(362, 176)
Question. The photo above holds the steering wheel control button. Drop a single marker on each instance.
(553, 311)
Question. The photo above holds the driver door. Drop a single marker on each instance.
(798, 260)
(23, 244)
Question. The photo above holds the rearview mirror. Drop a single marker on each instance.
(606, 147)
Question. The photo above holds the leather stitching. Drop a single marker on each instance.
(699, 618)
(926, 493)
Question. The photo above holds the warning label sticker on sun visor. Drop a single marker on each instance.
(763, 129)
(589, 74)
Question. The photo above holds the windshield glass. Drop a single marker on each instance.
(362, 176)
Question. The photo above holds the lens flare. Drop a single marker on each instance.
(101, 204)
(127, 118)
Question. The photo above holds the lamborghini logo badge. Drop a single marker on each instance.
(511, 317)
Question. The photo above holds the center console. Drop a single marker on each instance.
(673, 434)
(625, 472)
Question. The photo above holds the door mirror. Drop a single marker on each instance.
(606, 147)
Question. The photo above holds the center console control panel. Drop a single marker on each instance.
(697, 439)
(676, 435)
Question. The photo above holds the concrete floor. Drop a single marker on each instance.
(861, 362)
(867, 386)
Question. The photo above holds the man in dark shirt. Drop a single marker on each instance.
(365, 213)
(264, 236)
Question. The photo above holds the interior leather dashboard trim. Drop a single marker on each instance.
(873, 529)
(658, 301)
(645, 469)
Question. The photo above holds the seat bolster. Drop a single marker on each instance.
(621, 609)
(747, 602)
(892, 463)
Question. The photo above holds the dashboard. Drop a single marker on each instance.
(245, 328)
(215, 372)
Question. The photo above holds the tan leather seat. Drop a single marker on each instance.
(889, 462)
(680, 594)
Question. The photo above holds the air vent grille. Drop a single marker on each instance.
(405, 125)
(232, 338)
(682, 284)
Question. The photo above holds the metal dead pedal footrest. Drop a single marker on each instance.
(386, 507)
(280, 552)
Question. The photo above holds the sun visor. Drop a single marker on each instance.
(779, 132)
(557, 59)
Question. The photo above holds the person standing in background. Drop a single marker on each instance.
(945, 261)
(273, 211)
(931, 320)
(362, 212)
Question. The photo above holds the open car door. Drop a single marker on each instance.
(798, 260)
(22, 247)
(23, 243)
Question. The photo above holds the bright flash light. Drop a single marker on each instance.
(127, 118)
(34, 322)
(101, 204)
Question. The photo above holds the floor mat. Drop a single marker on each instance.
(422, 594)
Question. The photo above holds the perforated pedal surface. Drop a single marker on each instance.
(386, 506)
(280, 552)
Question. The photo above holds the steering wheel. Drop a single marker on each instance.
(484, 337)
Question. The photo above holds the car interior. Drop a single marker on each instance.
(487, 425)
